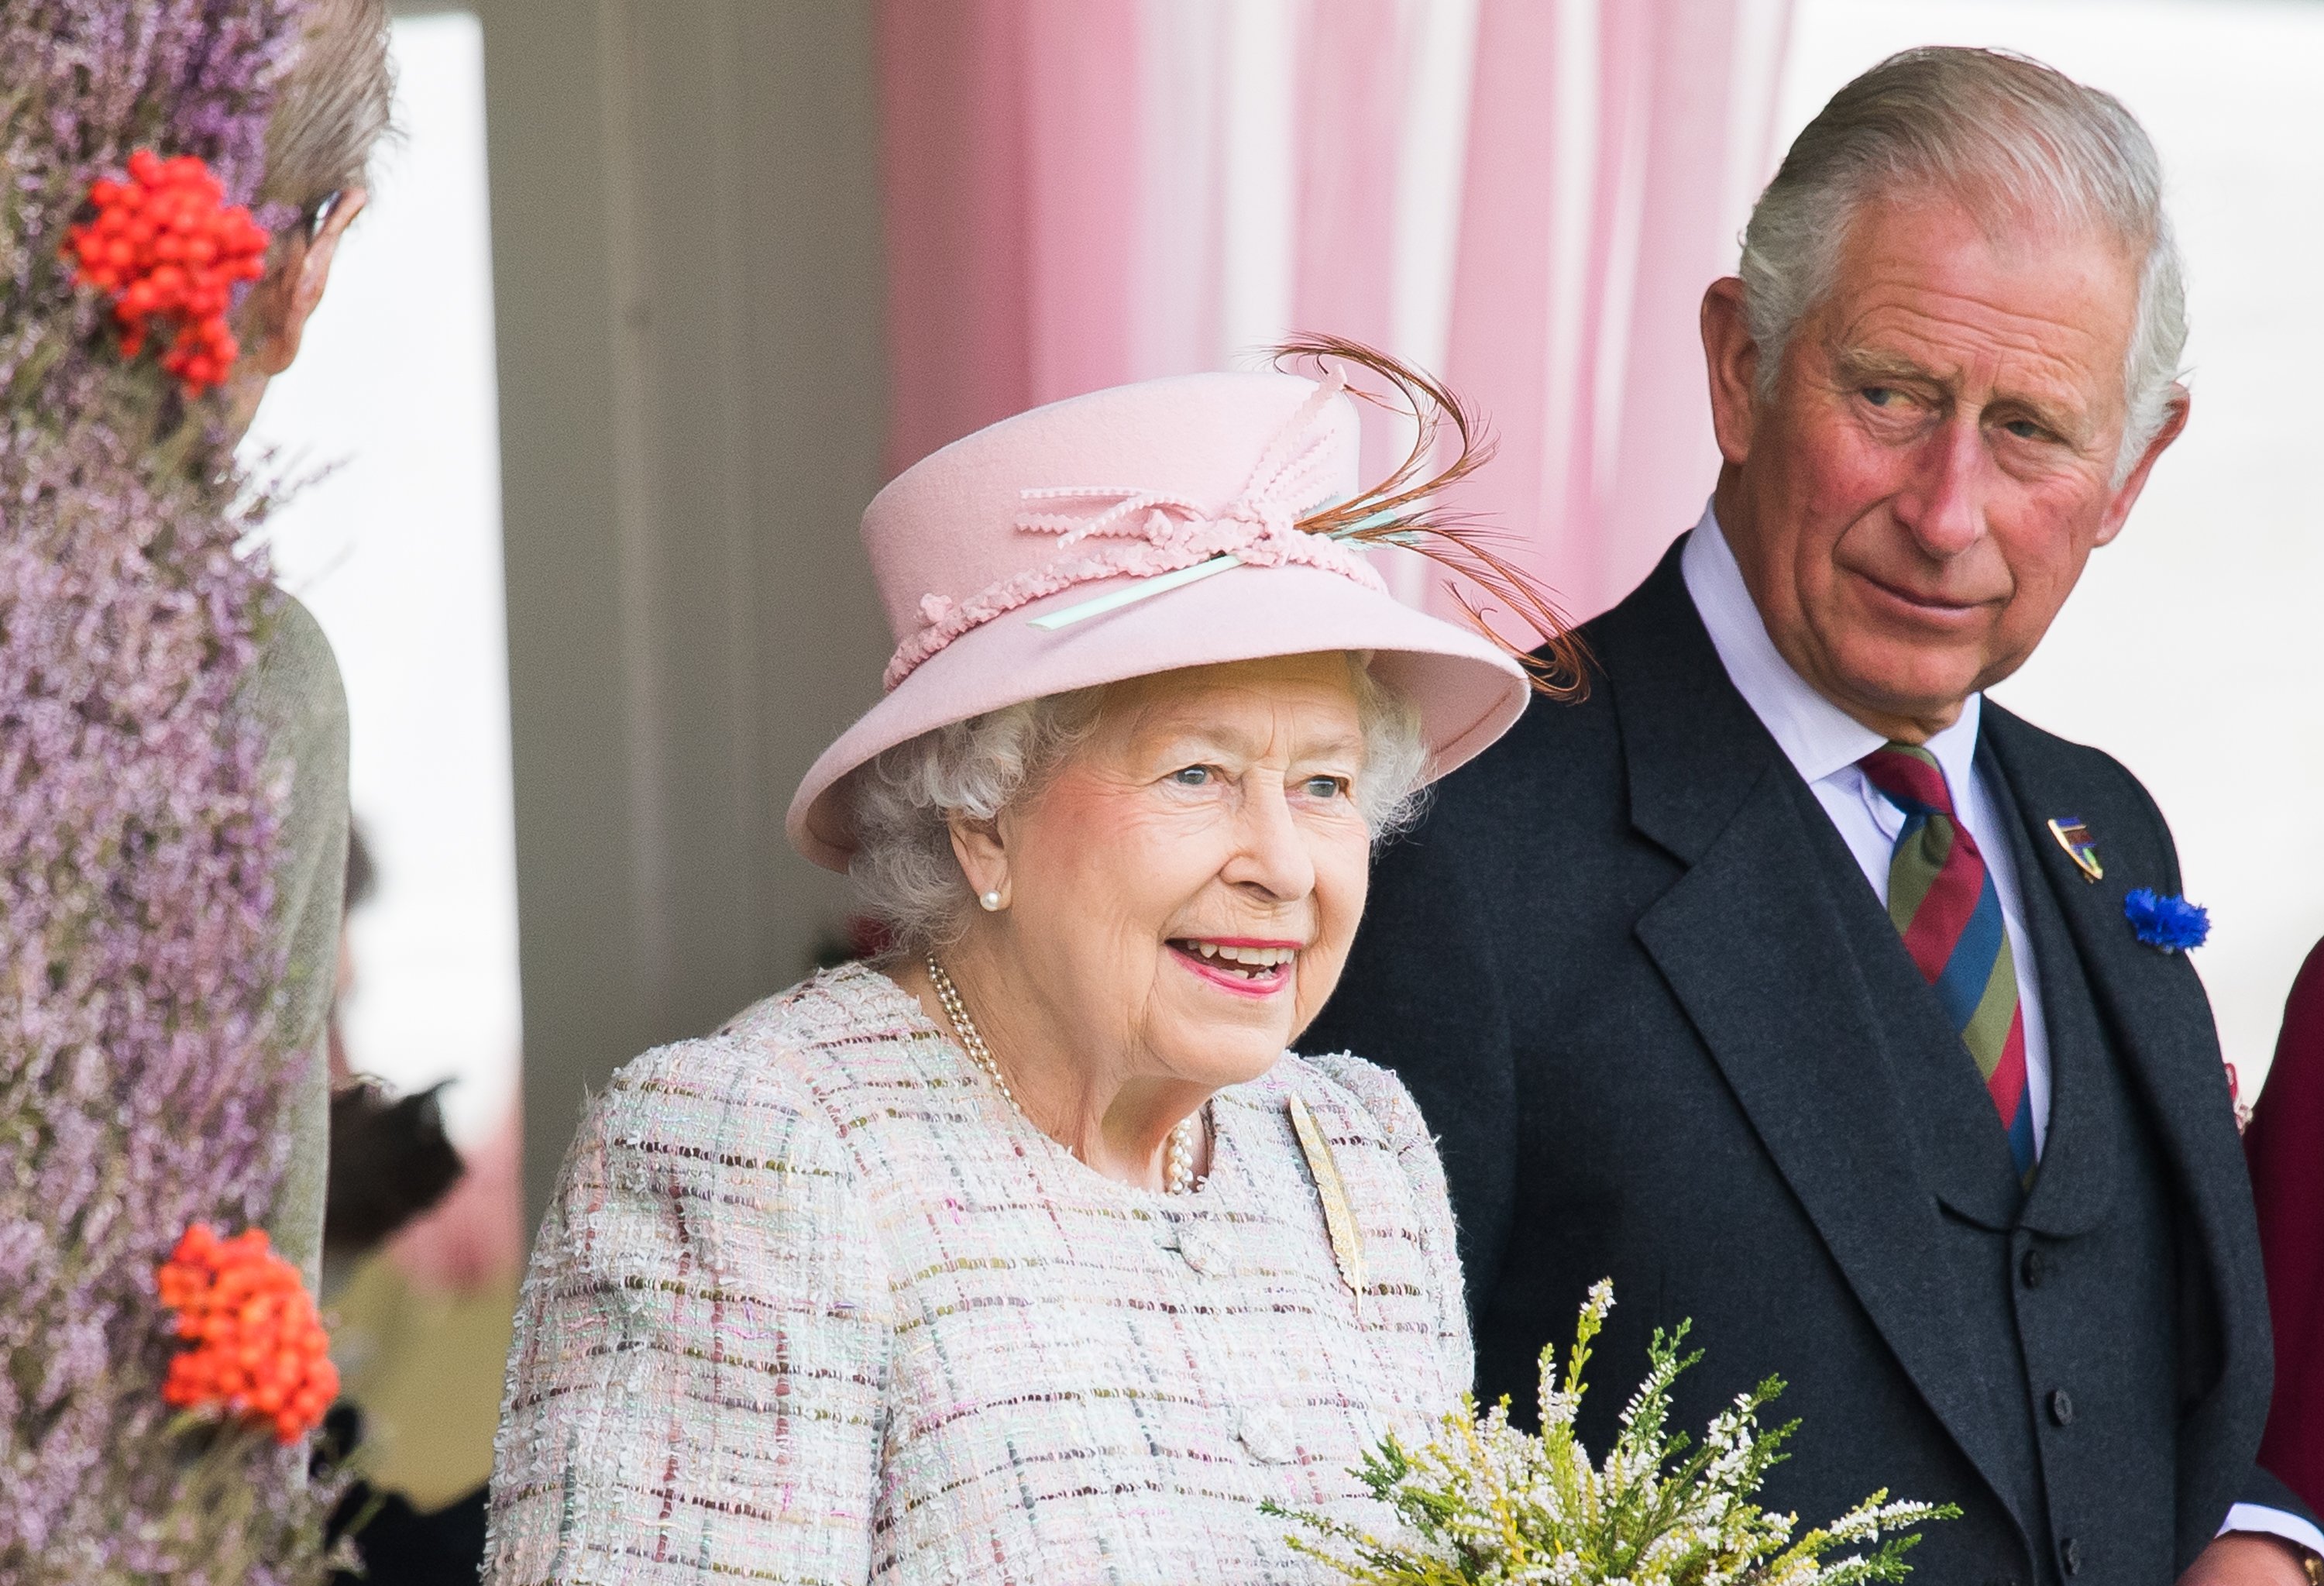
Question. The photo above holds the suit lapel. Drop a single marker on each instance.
(2152, 1001)
(1753, 942)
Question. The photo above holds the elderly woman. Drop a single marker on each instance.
(1028, 1252)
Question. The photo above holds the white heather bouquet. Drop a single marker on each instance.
(1489, 1505)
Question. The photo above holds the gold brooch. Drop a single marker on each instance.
(1338, 1218)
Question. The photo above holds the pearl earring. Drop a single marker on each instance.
(991, 902)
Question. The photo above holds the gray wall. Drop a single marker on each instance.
(687, 271)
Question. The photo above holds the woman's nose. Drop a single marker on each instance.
(1271, 855)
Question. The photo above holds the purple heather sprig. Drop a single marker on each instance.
(139, 968)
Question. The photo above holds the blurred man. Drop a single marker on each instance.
(1786, 979)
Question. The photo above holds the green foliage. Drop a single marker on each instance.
(1488, 1505)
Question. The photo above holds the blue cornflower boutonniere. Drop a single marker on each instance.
(2172, 924)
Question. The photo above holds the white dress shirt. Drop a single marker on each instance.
(1825, 743)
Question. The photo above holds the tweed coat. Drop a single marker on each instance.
(815, 1302)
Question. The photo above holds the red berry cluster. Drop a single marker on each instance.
(170, 249)
(256, 1349)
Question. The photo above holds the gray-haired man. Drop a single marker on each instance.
(1787, 980)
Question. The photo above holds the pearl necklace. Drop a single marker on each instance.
(1178, 1164)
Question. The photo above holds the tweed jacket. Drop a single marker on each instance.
(814, 1303)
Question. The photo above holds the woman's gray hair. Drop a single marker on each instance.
(902, 803)
(2008, 137)
(334, 104)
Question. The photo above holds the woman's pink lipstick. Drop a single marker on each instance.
(1248, 966)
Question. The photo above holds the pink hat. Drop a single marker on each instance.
(1076, 545)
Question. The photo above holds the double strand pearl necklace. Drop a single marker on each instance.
(1178, 1164)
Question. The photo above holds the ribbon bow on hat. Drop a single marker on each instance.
(1163, 540)
(1287, 482)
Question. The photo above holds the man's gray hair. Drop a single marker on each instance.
(904, 868)
(334, 106)
(2009, 137)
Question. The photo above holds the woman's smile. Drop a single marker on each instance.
(1247, 967)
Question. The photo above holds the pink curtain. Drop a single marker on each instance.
(1603, 412)
(1349, 92)
(1080, 192)
(1006, 140)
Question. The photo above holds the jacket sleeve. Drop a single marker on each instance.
(295, 696)
(2263, 1490)
(697, 1384)
(2267, 1508)
(1419, 996)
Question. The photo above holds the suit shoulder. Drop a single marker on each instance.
(707, 1107)
(293, 690)
(1578, 740)
(2043, 759)
(2039, 748)
(1344, 1081)
(782, 1079)
(1556, 745)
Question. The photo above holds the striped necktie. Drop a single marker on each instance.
(1944, 904)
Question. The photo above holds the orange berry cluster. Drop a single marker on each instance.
(256, 1349)
(170, 249)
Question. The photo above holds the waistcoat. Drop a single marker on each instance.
(2068, 1292)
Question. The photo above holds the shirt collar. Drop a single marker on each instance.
(1818, 737)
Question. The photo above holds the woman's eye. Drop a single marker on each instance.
(1193, 776)
(1326, 787)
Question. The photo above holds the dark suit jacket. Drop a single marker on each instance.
(1634, 978)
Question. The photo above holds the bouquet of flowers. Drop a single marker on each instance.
(138, 971)
(1487, 1503)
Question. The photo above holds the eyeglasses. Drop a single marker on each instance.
(317, 215)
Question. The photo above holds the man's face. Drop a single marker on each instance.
(1914, 502)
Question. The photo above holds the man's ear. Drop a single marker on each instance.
(293, 297)
(2126, 495)
(1731, 358)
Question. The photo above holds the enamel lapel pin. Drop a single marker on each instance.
(1339, 1217)
(2075, 838)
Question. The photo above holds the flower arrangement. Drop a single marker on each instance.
(138, 971)
(1486, 1503)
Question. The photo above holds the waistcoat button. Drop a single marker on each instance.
(2061, 1407)
(2069, 1554)
(2034, 1267)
